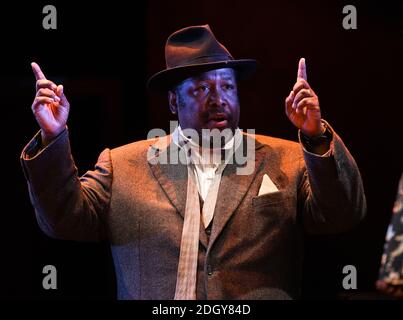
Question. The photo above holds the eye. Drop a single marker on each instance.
(201, 89)
(228, 86)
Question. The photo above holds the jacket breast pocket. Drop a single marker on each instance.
(272, 218)
(270, 199)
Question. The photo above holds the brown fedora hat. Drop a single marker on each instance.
(194, 50)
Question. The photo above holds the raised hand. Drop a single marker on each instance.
(302, 105)
(50, 106)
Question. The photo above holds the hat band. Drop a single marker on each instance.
(206, 59)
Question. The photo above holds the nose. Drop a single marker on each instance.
(216, 98)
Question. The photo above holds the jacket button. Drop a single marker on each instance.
(209, 270)
(208, 231)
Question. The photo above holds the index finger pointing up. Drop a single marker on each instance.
(37, 71)
(302, 70)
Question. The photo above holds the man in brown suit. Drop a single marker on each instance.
(188, 230)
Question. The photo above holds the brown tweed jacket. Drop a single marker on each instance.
(255, 245)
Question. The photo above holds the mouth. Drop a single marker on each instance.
(218, 120)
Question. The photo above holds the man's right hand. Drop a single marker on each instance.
(50, 106)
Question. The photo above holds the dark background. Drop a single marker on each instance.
(103, 55)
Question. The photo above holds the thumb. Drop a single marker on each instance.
(302, 70)
(60, 94)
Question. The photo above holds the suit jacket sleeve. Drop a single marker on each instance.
(67, 206)
(331, 193)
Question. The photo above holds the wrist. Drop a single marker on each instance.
(320, 143)
(316, 135)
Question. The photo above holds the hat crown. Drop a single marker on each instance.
(192, 51)
(196, 44)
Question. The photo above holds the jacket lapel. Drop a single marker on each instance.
(172, 178)
(233, 188)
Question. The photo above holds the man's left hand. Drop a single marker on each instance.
(302, 105)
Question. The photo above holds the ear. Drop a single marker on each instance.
(173, 102)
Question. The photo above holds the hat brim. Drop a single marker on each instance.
(166, 79)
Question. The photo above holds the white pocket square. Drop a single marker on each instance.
(267, 186)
